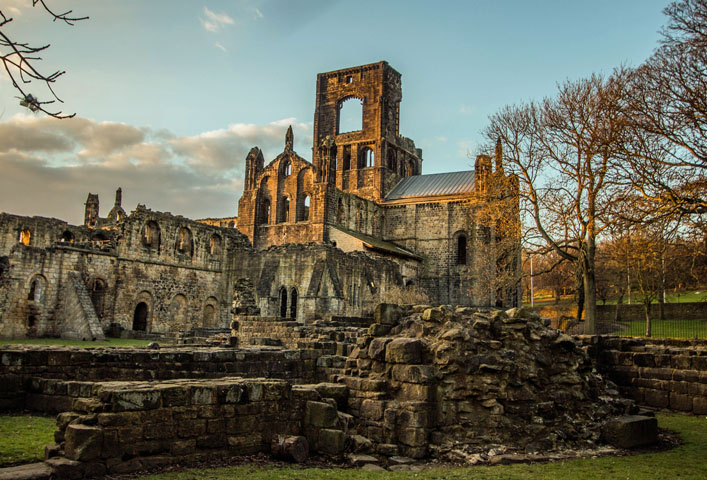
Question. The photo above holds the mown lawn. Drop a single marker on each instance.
(688, 461)
(666, 329)
(22, 438)
(109, 342)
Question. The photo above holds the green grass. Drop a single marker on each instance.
(22, 438)
(666, 329)
(670, 297)
(109, 342)
(685, 461)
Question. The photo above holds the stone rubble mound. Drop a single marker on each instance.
(457, 383)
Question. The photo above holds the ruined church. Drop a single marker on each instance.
(313, 240)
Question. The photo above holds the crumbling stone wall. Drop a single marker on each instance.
(659, 373)
(457, 382)
(327, 281)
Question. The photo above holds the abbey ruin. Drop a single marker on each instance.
(333, 237)
(365, 309)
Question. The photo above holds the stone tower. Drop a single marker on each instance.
(90, 217)
(370, 160)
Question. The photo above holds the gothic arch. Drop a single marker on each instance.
(349, 114)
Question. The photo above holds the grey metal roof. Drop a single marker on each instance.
(432, 185)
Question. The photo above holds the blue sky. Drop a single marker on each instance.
(171, 95)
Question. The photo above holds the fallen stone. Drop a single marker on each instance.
(359, 459)
(372, 467)
(359, 443)
(631, 431)
(31, 471)
(401, 460)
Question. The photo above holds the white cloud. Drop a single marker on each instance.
(257, 14)
(220, 47)
(215, 21)
(49, 166)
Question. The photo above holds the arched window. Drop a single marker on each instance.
(36, 289)
(98, 295)
(184, 242)
(340, 212)
(67, 237)
(151, 234)
(283, 302)
(359, 218)
(366, 158)
(285, 210)
(25, 236)
(391, 159)
(461, 250)
(350, 118)
(286, 168)
(293, 303)
(346, 158)
(305, 209)
(215, 245)
(140, 317)
(264, 212)
(410, 169)
(209, 317)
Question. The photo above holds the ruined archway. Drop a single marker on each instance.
(140, 317)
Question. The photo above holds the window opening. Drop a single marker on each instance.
(283, 302)
(350, 115)
(293, 303)
(461, 250)
(286, 168)
(305, 208)
(25, 236)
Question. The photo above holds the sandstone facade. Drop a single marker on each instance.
(357, 225)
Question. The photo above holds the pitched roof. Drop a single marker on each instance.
(432, 185)
(374, 243)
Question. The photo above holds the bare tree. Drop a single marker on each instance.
(666, 146)
(563, 151)
(20, 61)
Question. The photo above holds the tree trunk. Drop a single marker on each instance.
(619, 301)
(290, 448)
(590, 289)
(647, 310)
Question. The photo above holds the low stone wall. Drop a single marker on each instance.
(658, 373)
(49, 378)
(127, 426)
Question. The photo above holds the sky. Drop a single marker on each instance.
(171, 95)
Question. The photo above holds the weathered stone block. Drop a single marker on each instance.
(376, 350)
(135, 400)
(412, 373)
(404, 350)
(83, 442)
(372, 409)
(320, 414)
(331, 442)
(680, 402)
(631, 431)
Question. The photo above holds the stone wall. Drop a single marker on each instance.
(47, 378)
(127, 426)
(669, 374)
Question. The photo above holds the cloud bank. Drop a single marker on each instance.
(48, 167)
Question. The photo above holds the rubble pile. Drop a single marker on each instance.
(452, 383)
